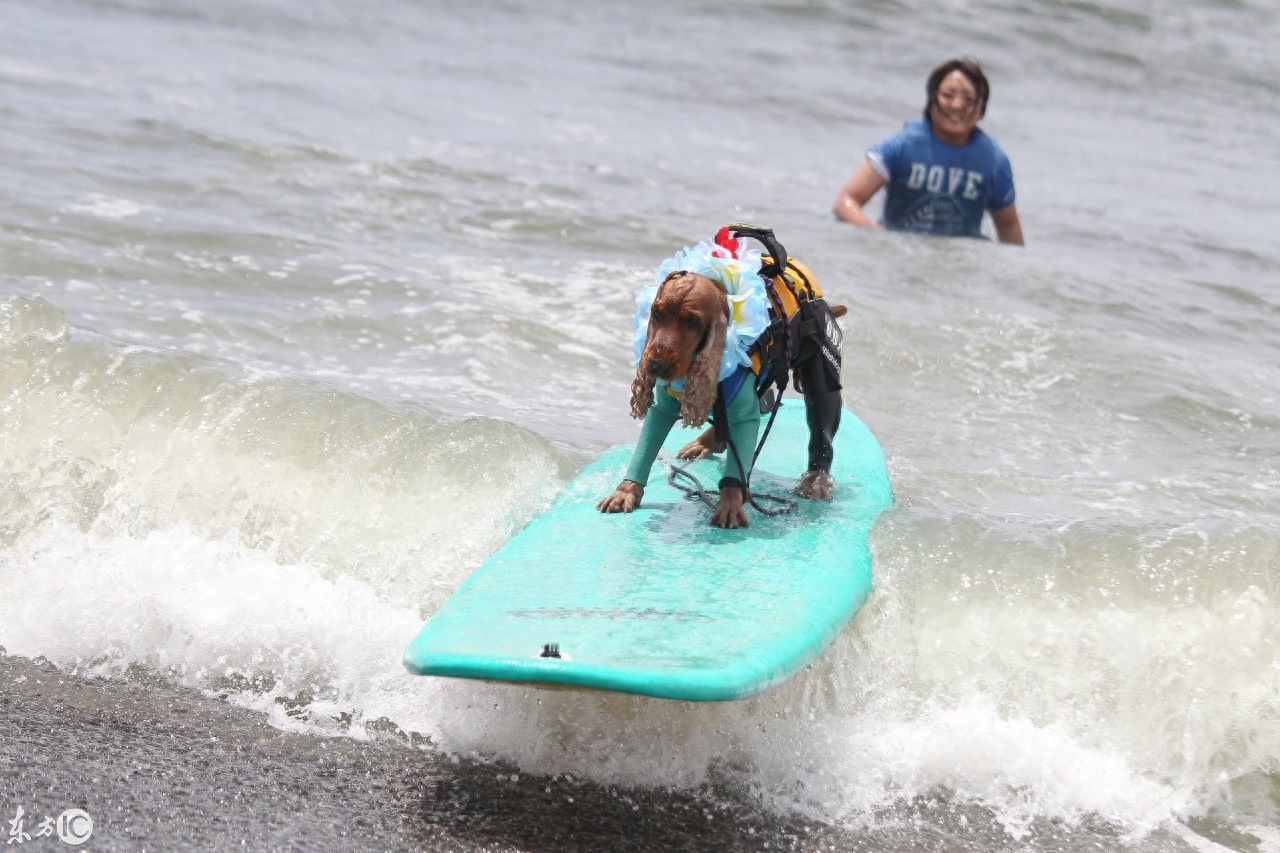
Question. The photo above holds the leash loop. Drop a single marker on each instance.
(696, 492)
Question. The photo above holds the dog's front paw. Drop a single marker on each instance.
(730, 511)
(816, 486)
(701, 447)
(624, 498)
(729, 519)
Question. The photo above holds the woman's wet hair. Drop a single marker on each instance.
(970, 69)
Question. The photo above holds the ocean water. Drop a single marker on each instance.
(307, 307)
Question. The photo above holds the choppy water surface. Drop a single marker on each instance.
(306, 308)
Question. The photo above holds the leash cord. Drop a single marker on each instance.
(697, 492)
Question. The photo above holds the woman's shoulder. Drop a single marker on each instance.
(913, 132)
(912, 128)
(984, 140)
(915, 128)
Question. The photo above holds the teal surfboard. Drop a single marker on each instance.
(656, 601)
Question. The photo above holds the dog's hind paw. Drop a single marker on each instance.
(816, 486)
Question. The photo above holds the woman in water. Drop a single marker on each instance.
(942, 173)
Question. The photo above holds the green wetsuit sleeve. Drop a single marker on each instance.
(658, 421)
(744, 427)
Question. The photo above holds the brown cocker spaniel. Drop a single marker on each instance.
(687, 325)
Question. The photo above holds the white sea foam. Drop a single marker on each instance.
(106, 207)
(322, 654)
(219, 617)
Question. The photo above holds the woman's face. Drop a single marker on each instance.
(955, 111)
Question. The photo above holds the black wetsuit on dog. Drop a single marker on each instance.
(803, 339)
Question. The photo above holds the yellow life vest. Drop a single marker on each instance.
(795, 285)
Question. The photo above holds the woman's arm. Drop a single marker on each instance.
(1008, 227)
(859, 189)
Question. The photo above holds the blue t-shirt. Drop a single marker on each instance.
(935, 187)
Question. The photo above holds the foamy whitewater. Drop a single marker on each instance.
(307, 308)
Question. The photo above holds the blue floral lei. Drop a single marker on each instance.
(748, 303)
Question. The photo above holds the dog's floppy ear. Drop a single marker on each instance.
(704, 373)
(642, 389)
(642, 384)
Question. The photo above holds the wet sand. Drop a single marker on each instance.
(163, 769)
(160, 768)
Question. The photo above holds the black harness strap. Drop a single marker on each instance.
(777, 254)
(720, 418)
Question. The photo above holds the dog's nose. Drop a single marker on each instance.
(658, 366)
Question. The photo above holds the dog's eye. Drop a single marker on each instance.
(655, 312)
(692, 323)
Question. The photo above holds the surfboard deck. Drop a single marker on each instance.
(657, 602)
